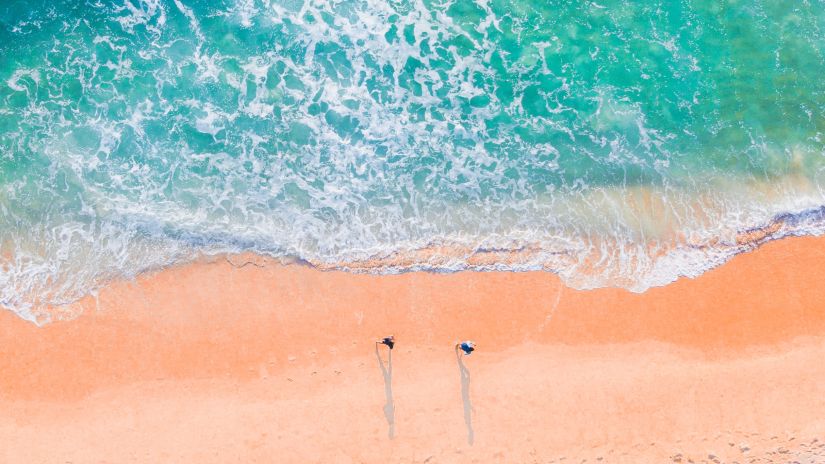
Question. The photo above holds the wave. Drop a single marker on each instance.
(38, 284)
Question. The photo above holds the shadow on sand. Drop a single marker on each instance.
(389, 407)
(465, 397)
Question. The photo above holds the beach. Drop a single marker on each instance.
(212, 211)
(243, 359)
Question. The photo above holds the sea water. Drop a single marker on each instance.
(615, 143)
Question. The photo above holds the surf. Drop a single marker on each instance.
(614, 144)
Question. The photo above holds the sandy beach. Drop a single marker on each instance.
(246, 360)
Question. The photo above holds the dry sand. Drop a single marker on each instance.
(223, 363)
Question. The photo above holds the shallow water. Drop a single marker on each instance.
(615, 143)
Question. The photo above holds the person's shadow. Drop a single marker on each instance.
(389, 407)
(465, 396)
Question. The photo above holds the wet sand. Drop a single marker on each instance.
(247, 360)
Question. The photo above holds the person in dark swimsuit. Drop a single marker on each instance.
(467, 347)
(389, 341)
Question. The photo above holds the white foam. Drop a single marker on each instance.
(14, 82)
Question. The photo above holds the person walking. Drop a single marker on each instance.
(466, 346)
(389, 341)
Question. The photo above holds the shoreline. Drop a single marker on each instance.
(249, 353)
(664, 262)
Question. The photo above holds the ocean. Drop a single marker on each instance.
(614, 143)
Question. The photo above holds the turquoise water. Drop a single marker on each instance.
(615, 143)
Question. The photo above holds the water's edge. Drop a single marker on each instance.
(445, 260)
